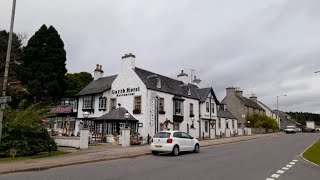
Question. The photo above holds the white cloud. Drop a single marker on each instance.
(269, 47)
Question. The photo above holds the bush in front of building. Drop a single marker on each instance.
(257, 121)
(23, 134)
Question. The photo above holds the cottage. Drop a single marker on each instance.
(241, 106)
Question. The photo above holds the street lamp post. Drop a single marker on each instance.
(278, 107)
(126, 116)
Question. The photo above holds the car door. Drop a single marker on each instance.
(179, 140)
(188, 142)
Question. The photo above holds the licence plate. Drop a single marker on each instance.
(158, 146)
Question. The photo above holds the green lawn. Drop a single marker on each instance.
(42, 155)
(313, 153)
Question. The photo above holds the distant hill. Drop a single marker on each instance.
(302, 117)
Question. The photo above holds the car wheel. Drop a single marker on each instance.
(196, 148)
(155, 153)
(175, 151)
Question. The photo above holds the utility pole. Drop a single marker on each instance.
(6, 70)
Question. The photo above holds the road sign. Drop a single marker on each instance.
(5, 99)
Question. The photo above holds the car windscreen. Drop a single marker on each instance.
(162, 135)
(290, 127)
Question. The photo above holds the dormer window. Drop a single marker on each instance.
(158, 82)
(189, 91)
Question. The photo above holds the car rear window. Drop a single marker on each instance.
(162, 135)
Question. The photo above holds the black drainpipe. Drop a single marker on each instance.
(210, 117)
(199, 120)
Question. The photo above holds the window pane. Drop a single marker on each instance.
(137, 101)
(162, 135)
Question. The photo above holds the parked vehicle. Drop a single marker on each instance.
(298, 130)
(310, 124)
(290, 129)
(173, 142)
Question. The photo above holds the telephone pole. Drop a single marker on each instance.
(6, 70)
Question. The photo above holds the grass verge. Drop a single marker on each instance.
(313, 153)
(42, 155)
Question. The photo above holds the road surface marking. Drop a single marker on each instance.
(289, 166)
(280, 171)
(295, 160)
(285, 168)
(269, 179)
(292, 163)
(275, 176)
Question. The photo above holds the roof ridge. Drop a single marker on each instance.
(159, 74)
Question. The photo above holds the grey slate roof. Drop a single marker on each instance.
(168, 85)
(116, 114)
(265, 106)
(204, 92)
(225, 114)
(249, 102)
(98, 86)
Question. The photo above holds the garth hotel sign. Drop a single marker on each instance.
(125, 91)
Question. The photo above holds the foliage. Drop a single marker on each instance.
(76, 82)
(302, 117)
(17, 93)
(312, 154)
(43, 66)
(15, 53)
(23, 132)
(257, 120)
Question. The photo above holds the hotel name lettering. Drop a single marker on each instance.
(125, 91)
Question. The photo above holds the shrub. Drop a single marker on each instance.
(257, 120)
(23, 132)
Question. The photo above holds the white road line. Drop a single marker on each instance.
(269, 179)
(285, 168)
(280, 171)
(292, 163)
(295, 160)
(289, 166)
(275, 176)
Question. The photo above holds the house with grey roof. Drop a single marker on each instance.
(156, 102)
(241, 106)
(269, 112)
(285, 119)
(226, 121)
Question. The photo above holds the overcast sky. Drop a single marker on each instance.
(269, 47)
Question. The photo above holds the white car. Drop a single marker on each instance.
(173, 142)
(290, 129)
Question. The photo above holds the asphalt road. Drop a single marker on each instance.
(254, 159)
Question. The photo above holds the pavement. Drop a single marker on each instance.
(255, 159)
(103, 153)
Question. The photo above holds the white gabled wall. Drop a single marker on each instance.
(206, 115)
(168, 108)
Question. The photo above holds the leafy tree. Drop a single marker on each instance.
(15, 53)
(76, 82)
(257, 120)
(302, 117)
(43, 65)
(23, 131)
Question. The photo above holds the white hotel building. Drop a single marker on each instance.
(155, 102)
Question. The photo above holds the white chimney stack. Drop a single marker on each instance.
(128, 61)
(183, 77)
(98, 72)
(196, 81)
